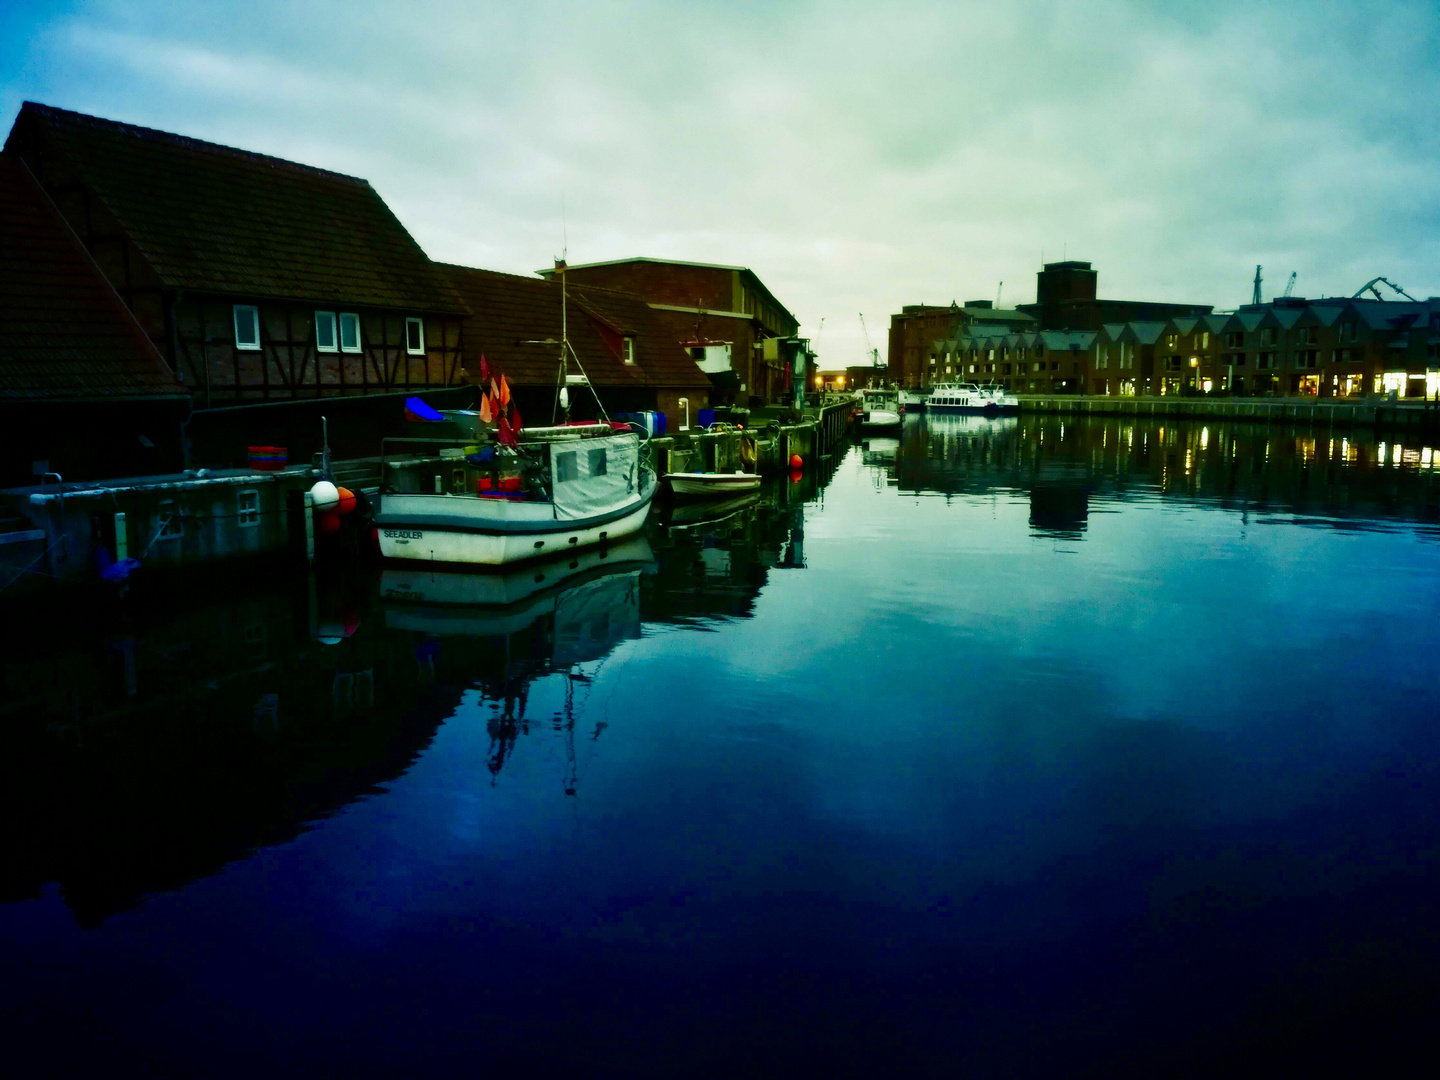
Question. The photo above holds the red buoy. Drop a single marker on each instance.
(327, 521)
(796, 475)
(796, 461)
(347, 501)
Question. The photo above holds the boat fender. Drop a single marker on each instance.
(796, 461)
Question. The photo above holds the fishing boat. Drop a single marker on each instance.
(879, 410)
(970, 397)
(492, 496)
(698, 485)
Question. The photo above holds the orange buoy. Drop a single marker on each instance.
(796, 461)
(346, 504)
(327, 521)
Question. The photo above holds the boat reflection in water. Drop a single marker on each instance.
(500, 632)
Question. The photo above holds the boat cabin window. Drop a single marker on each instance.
(567, 467)
(247, 508)
(597, 462)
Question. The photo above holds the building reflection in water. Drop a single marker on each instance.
(198, 721)
(1356, 479)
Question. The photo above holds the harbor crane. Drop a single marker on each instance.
(1290, 285)
(1255, 296)
(870, 350)
(1375, 281)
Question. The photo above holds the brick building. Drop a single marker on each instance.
(623, 345)
(258, 280)
(730, 322)
(919, 332)
(1065, 299)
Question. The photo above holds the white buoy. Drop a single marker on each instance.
(564, 398)
(324, 496)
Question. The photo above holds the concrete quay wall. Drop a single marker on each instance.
(1365, 413)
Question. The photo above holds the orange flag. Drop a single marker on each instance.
(504, 392)
(485, 415)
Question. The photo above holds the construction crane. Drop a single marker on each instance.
(870, 350)
(1290, 285)
(1255, 296)
(1375, 281)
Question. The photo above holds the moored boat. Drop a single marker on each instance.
(711, 485)
(558, 488)
(879, 410)
(969, 397)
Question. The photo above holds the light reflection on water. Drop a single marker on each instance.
(1019, 742)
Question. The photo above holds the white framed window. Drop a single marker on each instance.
(325, 332)
(415, 337)
(627, 349)
(349, 332)
(247, 508)
(247, 327)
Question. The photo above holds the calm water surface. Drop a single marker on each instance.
(999, 748)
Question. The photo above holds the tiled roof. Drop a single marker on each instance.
(214, 219)
(508, 310)
(64, 333)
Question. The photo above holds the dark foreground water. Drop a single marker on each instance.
(1004, 748)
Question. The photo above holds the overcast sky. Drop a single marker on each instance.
(857, 157)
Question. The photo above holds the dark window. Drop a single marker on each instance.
(414, 336)
(597, 462)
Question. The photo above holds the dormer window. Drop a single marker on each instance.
(415, 337)
(349, 332)
(247, 327)
(627, 349)
(325, 332)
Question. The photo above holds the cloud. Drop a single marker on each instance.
(857, 157)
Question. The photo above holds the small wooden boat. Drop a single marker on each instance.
(696, 485)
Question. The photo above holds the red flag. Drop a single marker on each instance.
(484, 369)
(507, 437)
(515, 422)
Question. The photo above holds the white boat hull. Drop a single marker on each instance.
(708, 485)
(880, 418)
(439, 545)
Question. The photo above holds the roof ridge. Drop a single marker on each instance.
(187, 141)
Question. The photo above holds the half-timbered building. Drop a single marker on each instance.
(258, 280)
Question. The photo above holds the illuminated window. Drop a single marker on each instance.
(627, 349)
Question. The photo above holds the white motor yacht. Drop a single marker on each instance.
(879, 410)
(970, 397)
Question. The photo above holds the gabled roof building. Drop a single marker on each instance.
(255, 278)
(622, 343)
(83, 391)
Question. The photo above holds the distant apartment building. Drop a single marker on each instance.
(729, 322)
(915, 334)
(1331, 347)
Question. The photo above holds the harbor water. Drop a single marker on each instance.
(1012, 746)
